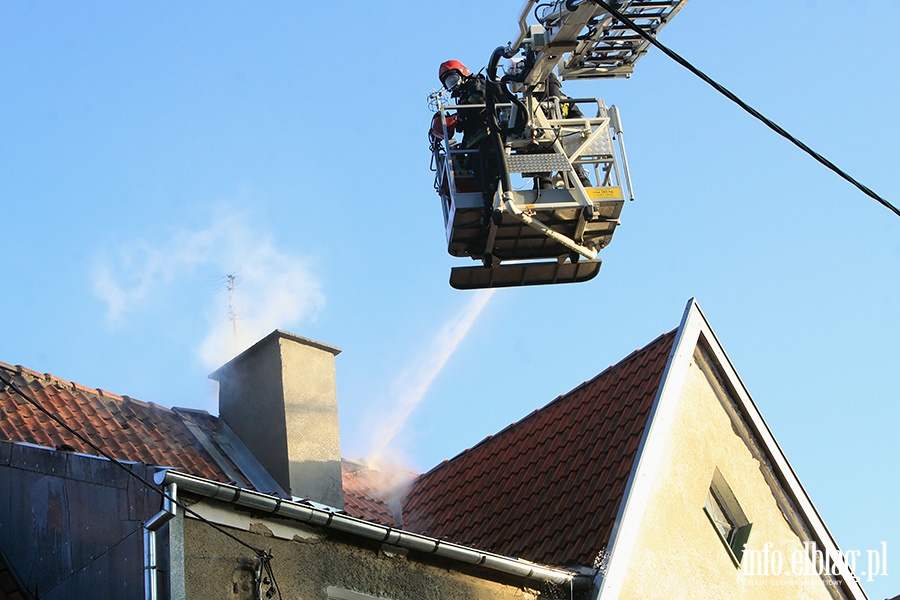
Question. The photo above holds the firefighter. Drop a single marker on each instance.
(553, 89)
(466, 88)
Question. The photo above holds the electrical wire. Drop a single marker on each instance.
(270, 577)
(261, 554)
(752, 111)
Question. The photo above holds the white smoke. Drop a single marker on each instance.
(409, 389)
(142, 268)
(275, 289)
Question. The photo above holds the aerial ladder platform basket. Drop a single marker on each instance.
(565, 174)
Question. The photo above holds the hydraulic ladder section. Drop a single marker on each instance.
(584, 41)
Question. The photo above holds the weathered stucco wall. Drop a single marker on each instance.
(219, 568)
(311, 415)
(678, 553)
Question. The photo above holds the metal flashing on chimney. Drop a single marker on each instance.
(232, 456)
(235, 449)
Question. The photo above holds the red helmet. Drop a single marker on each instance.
(448, 66)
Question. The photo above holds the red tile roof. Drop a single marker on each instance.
(125, 428)
(547, 488)
(374, 494)
(132, 430)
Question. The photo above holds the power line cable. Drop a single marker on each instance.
(264, 556)
(734, 98)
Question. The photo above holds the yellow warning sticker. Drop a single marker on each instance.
(603, 193)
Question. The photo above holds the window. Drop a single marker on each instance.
(727, 517)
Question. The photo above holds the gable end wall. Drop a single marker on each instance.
(677, 550)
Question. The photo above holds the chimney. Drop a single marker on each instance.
(279, 397)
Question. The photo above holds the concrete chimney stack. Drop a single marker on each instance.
(279, 396)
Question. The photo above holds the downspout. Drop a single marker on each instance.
(170, 498)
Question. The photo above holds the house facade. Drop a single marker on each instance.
(656, 479)
(714, 508)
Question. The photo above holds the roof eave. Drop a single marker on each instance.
(328, 519)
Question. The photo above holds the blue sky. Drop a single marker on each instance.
(147, 151)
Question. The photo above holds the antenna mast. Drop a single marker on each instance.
(232, 312)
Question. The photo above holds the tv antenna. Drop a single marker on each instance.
(233, 315)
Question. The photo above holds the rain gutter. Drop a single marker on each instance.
(321, 517)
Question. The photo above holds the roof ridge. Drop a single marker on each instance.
(123, 426)
(23, 370)
(521, 422)
(634, 354)
(358, 465)
(51, 379)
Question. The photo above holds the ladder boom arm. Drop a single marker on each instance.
(582, 40)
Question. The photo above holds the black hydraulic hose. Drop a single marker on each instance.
(496, 132)
(521, 114)
(490, 88)
(490, 98)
